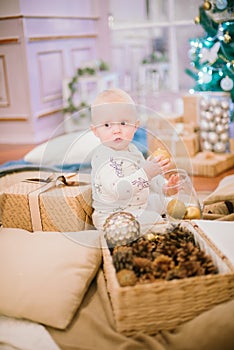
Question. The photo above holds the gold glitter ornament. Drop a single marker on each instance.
(121, 228)
(176, 209)
(197, 20)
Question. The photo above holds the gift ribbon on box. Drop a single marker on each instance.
(48, 183)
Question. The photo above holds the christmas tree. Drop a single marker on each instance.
(212, 56)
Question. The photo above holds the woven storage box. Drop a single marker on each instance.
(191, 108)
(184, 144)
(179, 144)
(164, 305)
(58, 208)
(208, 164)
(187, 145)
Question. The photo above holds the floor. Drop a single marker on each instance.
(201, 184)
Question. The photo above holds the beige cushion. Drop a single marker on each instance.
(45, 275)
(223, 192)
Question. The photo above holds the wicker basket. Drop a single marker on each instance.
(163, 305)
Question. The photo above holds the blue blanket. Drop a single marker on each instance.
(21, 165)
(140, 140)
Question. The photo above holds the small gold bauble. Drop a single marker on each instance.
(197, 20)
(192, 213)
(126, 278)
(176, 209)
(207, 5)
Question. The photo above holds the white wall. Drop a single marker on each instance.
(41, 43)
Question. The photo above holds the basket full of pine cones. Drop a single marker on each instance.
(164, 278)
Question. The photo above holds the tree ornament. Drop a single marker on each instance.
(210, 55)
(219, 129)
(227, 38)
(220, 147)
(207, 5)
(224, 137)
(221, 4)
(197, 20)
(207, 78)
(207, 146)
(121, 228)
(226, 83)
(212, 137)
(212, 126)
(225, 105)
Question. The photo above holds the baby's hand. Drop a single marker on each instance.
(156, 166)
(171, 187)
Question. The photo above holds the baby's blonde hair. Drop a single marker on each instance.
(108, 97)
(112, 96)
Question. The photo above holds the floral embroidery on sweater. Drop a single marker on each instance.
(141, 183)
(117, 167)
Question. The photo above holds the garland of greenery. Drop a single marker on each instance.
(73, 86)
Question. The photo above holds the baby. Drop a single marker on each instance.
(120, 174)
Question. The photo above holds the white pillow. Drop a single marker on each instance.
(73, 148)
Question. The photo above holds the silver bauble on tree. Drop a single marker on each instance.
(121, 228)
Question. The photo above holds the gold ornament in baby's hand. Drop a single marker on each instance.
(161, 152)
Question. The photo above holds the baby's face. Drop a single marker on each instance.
(115, 125)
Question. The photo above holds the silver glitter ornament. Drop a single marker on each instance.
(218, 111)
(226, 114)
(204, 104)
(207, 146)
(212, 137)
(214, 121)
(225, 105)
(224, 137)
(212, 126)
(209, 116)
(219, 147)
(224, 121)
(121, 228)
(204, 135)
(204, 125)
(219, 128)
(213, 102)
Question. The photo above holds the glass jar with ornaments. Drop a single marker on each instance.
(178, 196)
(214, 121)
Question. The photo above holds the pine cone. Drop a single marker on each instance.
(194, 262)
(142, 266)
(162, 265)
(122, 258)
(166, 247)
(146, 278)
(144, 248)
